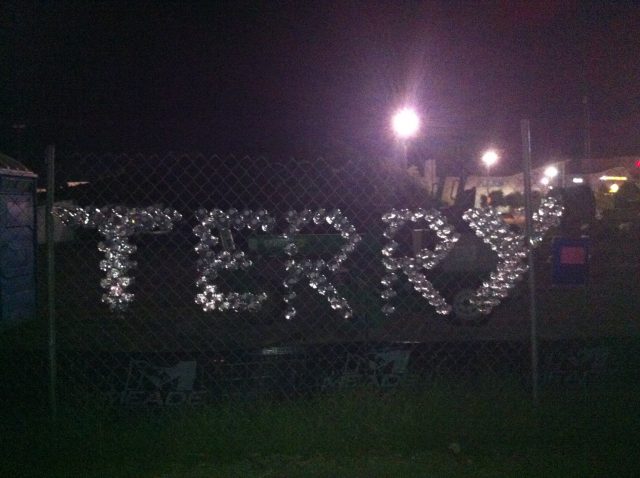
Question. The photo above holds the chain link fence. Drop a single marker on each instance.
(213, 291)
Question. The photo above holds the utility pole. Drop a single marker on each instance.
(583, 42)
(586, 112)
(50, 155)
(525, 130)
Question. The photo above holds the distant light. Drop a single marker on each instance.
(551, 172)
(405, 123)
(489, 158)
(577, 180)
(277, 351)
(613, 178)
(614, 188)
(638, 163)
(544, 181)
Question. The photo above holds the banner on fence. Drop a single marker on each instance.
(156, 386)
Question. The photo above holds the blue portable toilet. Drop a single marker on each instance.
(17, 242)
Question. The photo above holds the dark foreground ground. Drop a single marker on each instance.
(442, 431)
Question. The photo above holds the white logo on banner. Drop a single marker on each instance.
(150, 385)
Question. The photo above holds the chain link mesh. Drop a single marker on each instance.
(165, 350)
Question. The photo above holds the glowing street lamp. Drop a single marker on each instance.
(405, 124)
(551, 172)
(489, 158)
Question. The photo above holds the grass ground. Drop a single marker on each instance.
(435, 433)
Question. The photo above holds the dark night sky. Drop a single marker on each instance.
(320, 77)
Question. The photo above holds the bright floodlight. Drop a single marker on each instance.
(490, 158)
(405, 123)
(614, 188)
(544, 181)
(551, 172)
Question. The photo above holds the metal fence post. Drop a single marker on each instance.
(525, 130)
(49, 227)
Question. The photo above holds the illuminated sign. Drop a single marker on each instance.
(217, 252)
(613, 178)
(570, 261)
